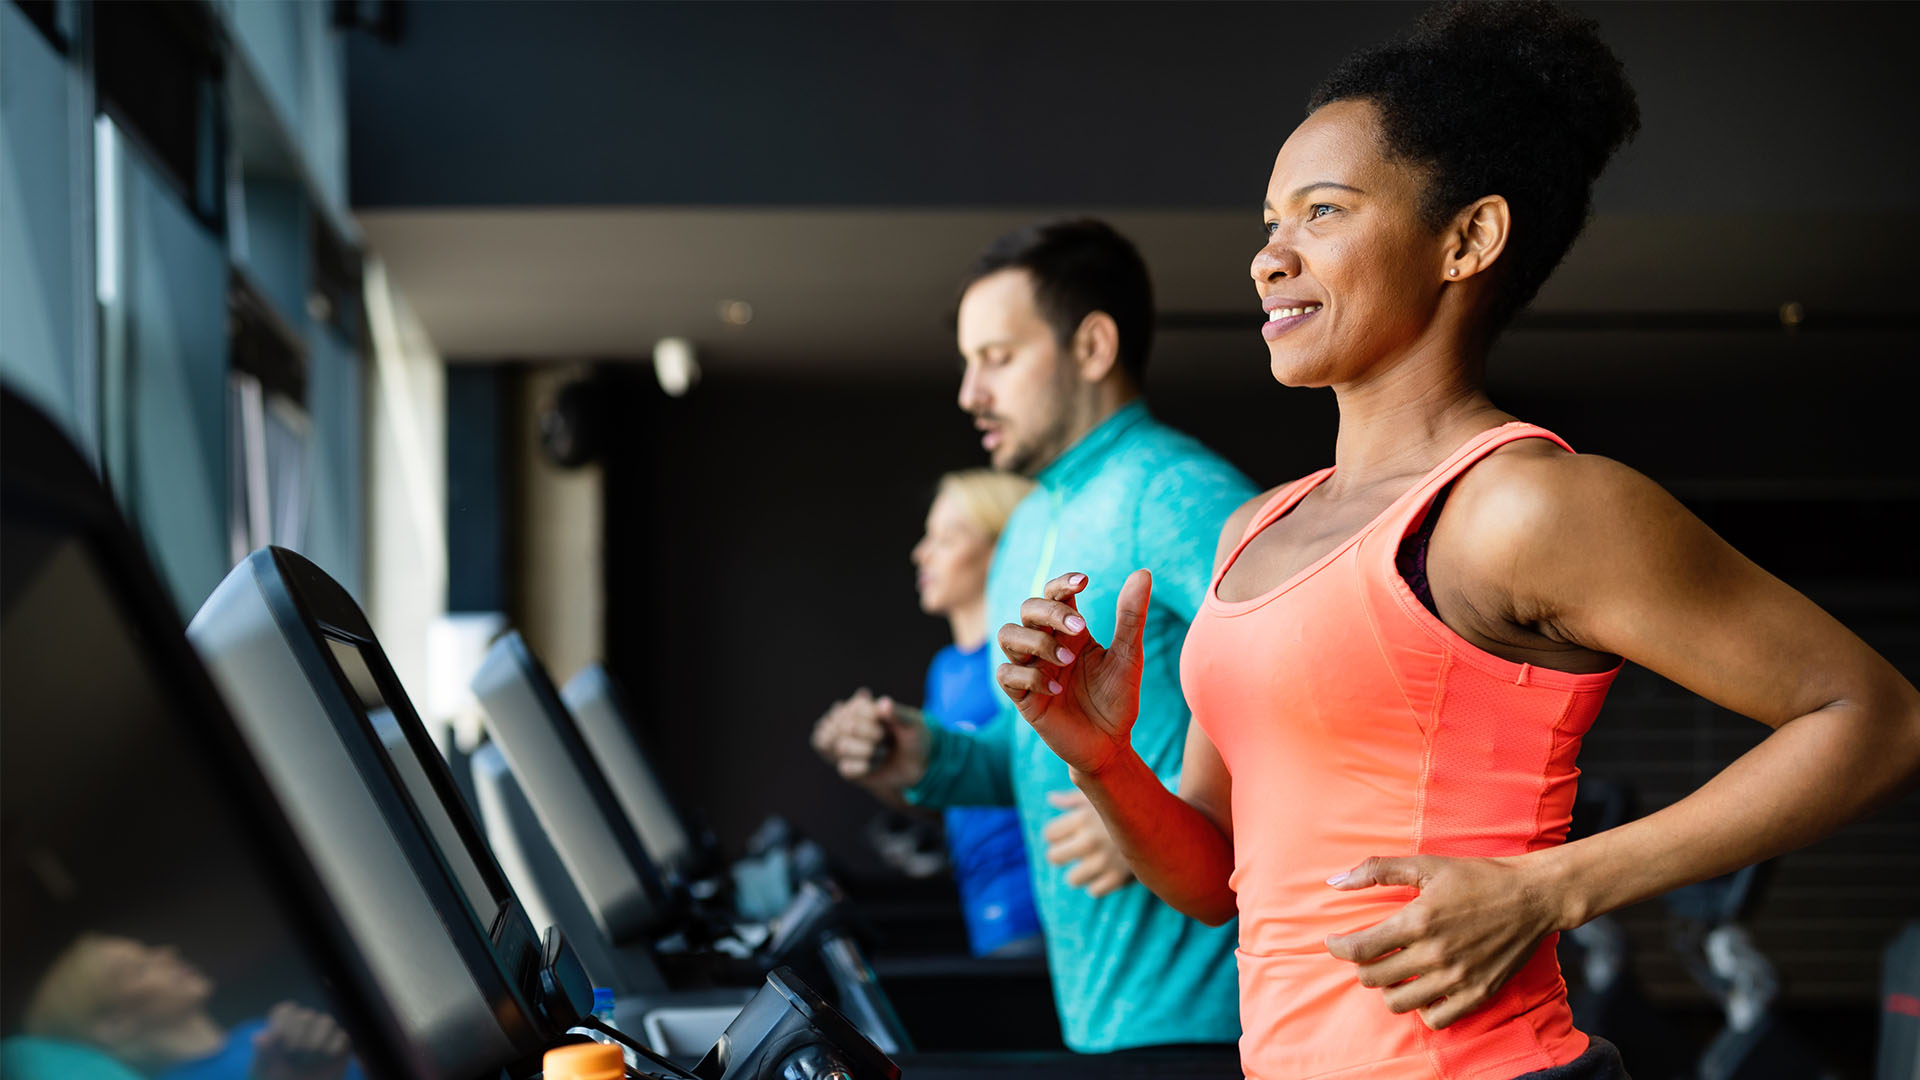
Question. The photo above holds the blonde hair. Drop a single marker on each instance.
(987, 495)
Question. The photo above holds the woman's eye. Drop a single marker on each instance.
(1271, 227)
(1319, 210)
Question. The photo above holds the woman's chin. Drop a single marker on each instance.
(1289, 375)
(1289, 368)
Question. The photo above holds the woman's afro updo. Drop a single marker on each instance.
(1517, 98)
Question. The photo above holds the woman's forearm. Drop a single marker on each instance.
(1809, 777)
(1173, 848)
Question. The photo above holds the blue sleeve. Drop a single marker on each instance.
(235, 1059)
(1177, 529)
(930, 691)
(968, 768)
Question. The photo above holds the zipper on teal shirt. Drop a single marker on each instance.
(1046, 543)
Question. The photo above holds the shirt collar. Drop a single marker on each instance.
(1083, 459)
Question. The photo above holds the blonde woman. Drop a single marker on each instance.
(950, 562)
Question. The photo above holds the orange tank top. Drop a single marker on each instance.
(1355, 723)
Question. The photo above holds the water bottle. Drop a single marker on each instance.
(603, 1014)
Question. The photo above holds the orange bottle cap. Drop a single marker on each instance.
(585, 1061)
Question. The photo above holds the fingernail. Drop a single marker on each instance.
(1338, 878)
(1065, 656)
(1077, 579)
(1075, 624)
(1054, 687)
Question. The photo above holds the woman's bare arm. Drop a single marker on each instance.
(1180, 846)
(1586, 552)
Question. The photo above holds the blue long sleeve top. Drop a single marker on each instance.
(988, 852)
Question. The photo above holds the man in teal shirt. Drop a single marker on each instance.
(1055, 323)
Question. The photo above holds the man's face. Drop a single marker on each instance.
(1018, 384)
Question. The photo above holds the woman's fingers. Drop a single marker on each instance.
(1452, 1007)
(1417, 994)
(1044, 614)
(1064, 587)
(1024, 645)
(1019, 681)
(1431, 989)
(1396, 931)
(1390, 970)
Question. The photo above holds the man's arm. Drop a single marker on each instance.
(967, 768)
(894, 751)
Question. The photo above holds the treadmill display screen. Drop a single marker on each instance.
(140, 928)
(406, 761)
(605, 728)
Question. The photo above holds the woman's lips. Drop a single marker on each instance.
(1278, 323)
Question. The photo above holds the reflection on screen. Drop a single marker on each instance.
(413, 775)
(139, 935)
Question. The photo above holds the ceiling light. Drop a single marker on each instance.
(675, 365)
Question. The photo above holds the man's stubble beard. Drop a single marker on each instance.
(1054, 440)
(1045, 448)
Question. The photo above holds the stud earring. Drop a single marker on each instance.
(1453, 271)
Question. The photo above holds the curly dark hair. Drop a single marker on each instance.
(1517, 98)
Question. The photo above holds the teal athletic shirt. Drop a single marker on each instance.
(1127, 969)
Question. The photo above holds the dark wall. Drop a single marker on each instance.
(756, 563)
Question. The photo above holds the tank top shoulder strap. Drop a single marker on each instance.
(1282, 501)
(1472, 452)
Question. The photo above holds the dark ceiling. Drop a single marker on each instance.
(1750, 107)
(568, 179)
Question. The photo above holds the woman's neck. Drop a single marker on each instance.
(969, 624)
(1407, 417)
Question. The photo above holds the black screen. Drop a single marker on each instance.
(138, 926)
(483, 897)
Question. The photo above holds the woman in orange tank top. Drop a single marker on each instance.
(1399, 655)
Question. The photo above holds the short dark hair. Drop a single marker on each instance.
(1517, 98)
(1079, 266)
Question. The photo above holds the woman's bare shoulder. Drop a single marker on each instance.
(1532, 504)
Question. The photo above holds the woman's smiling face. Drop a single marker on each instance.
(1351, 273)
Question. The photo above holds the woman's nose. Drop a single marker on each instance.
(1274, 262)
